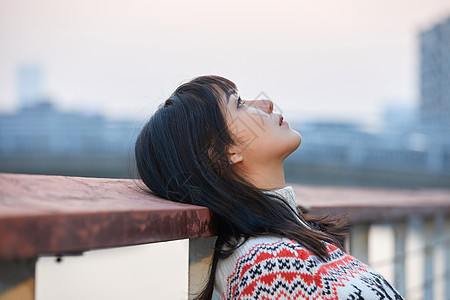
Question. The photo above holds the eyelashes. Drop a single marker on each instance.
(239, 102)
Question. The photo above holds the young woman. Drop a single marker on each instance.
(207, 146)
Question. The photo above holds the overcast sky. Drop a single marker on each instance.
(325, 58)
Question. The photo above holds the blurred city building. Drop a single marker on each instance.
(39, 138)
(435, 75)
(29, 85)
(41, 130)
(399, 148)
(413, 140)
(42, 139)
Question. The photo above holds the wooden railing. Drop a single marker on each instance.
(52, 227)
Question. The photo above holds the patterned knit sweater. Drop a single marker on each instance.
(270, 267)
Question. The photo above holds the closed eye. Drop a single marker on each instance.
(239, 102)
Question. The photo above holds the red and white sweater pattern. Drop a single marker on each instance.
(270, 267)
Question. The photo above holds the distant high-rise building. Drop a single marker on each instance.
(29, 85)
(435, 75)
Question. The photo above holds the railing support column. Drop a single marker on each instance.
(447, 257)
(414, 259)
(428, 253)
(359, 242)
(200, 258)
(439, 257)
(17, 278)
(399, 256)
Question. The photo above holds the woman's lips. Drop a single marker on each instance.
(282, 122)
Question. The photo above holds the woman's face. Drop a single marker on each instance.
(261, 136)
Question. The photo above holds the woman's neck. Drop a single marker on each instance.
(268, 176)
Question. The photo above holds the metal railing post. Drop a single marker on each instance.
(359, 242)
(399, 256)
(439, 257)
(447, 258)
(428, 253)
(414, 259)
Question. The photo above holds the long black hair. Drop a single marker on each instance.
(181, 155)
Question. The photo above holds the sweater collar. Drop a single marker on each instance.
(288, 194)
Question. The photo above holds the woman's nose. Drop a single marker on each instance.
(264, 105)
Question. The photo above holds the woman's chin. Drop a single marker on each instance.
(294, 144)
(298, 139)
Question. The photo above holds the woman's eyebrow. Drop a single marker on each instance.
(231, 93)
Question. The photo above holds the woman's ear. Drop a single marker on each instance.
(234, 157)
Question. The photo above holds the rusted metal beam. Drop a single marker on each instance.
(62, 215)
(372, 205)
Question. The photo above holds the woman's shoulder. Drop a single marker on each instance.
(275, 246)
(270, 265)
(274, 249)
(272, 245)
